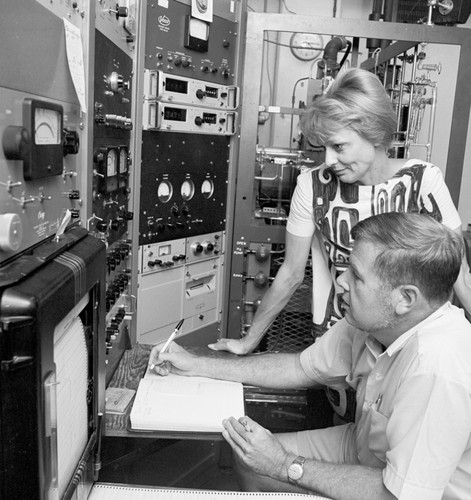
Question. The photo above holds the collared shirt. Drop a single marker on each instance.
(413, 401)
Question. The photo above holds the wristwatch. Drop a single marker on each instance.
(296, 470)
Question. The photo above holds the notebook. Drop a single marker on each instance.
(179, 403)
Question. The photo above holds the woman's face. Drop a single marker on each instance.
(352, 158)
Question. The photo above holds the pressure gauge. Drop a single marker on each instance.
(188, 189)
(164, 191)
(306, 46)
(207, 188)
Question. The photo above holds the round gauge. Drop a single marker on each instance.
(111, 162)
(47, 126)
(123, 161)
(207, 188)
(164, 191)
(306, 46)
(188, 189)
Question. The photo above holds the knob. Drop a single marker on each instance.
(208, 247)
(11, 232)
(70, 142)
(200, 94)
(16, 142)
(261, 280)
(102, 226)
(197, 248)
(119, 11)
(262, 253)
(116, 82)
(199, 121)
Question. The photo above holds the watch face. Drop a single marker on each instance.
(295, 471)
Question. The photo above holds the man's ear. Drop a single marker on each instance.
(406, 298)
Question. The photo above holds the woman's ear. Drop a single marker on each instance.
(406, 297)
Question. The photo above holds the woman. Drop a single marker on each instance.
(355, 121)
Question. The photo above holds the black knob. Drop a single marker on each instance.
(200, 94)
(16, 142)
(199, 121)
(102, 226)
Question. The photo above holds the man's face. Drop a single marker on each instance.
(366, 301)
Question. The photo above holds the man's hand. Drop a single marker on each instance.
(235, 346)
(256, 447)
(175, 360)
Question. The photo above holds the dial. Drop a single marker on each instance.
(111, 163)
(165, 191)
(123, 160)
(306, 46)
(47, 126)
(188, 189)
(207, 188)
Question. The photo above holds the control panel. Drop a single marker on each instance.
(171, 88)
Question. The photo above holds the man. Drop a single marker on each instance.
(404, 349)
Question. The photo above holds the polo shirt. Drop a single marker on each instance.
(413, 416)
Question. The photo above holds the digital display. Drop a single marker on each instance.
(175, 114)
(173, 85)
(211, 92)
(209, 118)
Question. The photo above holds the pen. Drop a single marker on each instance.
(172, 336)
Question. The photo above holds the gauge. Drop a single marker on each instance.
(111, 163)
(207, 188)
(306, 46)
(47, 126)
(187, 189)
(165, 191)
(123, 160)
(43, 151)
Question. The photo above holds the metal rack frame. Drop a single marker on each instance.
(405, 36)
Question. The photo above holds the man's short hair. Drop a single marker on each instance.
(415, 250)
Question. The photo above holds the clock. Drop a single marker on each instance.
(306, 46)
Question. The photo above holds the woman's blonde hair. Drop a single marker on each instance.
(356, 100)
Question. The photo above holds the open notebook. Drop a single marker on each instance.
(179, 403)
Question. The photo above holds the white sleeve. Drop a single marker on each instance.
(435, 191)
(301, 219)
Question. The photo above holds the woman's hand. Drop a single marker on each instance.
(235, 346)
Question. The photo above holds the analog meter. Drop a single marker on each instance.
(188, 189)
(164, 191)
(306, 46)
(38, 141)
(123, 160)
(207, 188)
(107, 171)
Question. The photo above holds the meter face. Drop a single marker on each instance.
(123, 161)
(164, 191)
(111, 163)
(187, 189)
(207, 188)
(47, 126)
